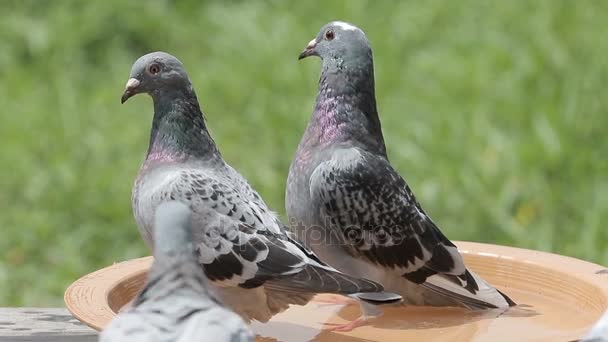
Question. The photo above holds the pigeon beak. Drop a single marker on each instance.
(309, 51)
(130, 89)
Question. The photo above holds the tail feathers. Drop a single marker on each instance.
(484, 297)
(371, 303)
(378, 298)
(509, 300)
(321, 279)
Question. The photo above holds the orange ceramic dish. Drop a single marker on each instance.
(560, 299)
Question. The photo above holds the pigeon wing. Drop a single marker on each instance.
(238, 242)
(376, 214)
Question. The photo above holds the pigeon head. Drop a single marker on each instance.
(345, 108)
(338, 42)
(172, 229)
(178, 127)
(153, 72)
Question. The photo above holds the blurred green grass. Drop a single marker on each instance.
(495, 112)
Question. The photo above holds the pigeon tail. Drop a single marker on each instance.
(486, 297)
(378, 298)
(323, 279)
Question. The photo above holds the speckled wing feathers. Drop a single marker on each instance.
(380, 220)
(243, 244)
(376, 213)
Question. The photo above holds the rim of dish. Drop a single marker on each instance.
(87, 298)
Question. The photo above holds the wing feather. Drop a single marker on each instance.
(240, 242)
(380, 220)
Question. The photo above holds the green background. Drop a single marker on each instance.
(494, 111)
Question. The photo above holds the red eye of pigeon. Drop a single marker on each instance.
(154, 69)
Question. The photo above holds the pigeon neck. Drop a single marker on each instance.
(175, 258)
(345, 108)
(180, 252)
(178, 128)
(173, 274)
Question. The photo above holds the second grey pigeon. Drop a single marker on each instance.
(253, 265)
(342, 188)
(175, 304)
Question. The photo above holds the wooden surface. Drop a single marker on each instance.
(42, 324)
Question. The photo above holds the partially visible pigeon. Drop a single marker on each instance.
(175, 305)
(599, 332)
(342, 188)
(253, 265)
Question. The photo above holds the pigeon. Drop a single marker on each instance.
(253, 264)
(348, 204)
(175, 304)
(599, 332)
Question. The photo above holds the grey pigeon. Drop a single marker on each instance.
(253, 265)
(341, 187)
(175, 305)
(599, 332)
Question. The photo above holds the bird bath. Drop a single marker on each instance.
(560, 298)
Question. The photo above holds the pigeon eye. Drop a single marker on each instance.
(154, 68)
(329, 35)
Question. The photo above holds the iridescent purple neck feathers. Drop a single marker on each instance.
(178, 128)
(345, 108)
(328, 124)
